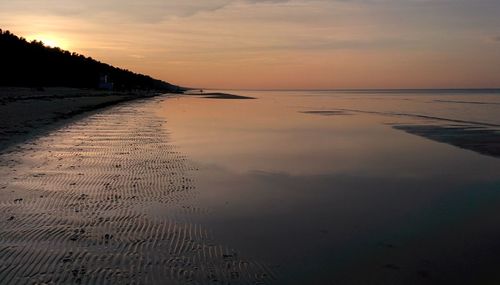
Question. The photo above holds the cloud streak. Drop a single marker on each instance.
(142, 11)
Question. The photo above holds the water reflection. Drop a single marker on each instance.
(344, 199)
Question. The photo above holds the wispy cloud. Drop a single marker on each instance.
(142, 11)
(147, 11)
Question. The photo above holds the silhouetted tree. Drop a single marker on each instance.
(32, 64)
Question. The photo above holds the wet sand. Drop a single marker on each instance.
(480, 137)
(87, 204)
(26, 113)
(225, 96)
(217, 95)
(481, 140)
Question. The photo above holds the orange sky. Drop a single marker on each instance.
(306, 44)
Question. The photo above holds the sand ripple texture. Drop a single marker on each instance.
(106, 200)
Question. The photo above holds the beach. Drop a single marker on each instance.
(293, 187)
(28, 112)
(80, 205)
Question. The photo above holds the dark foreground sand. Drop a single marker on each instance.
(106, 200)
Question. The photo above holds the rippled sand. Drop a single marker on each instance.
(107, 199)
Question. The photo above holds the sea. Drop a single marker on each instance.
(278, 187)
(351, 186)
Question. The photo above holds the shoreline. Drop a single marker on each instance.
(26, 113)
(110, 197)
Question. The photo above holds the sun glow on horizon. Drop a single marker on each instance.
(276, 44)
(50, 41)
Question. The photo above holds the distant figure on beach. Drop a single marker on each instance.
(104, 83)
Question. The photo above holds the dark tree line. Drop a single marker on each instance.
(32, 64)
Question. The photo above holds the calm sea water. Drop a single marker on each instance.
(337, 187)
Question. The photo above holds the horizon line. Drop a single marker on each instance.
(495, 89)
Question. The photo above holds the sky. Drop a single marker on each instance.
(277, 44)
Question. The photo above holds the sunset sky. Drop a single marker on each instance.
(278, 44)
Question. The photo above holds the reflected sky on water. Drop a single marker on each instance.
(324, 188)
